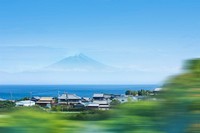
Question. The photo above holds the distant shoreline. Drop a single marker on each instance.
(21, 91)
(71, 84)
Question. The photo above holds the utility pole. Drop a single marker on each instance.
(30, 97)
(58, 93)
(58, 96)
(11, 97)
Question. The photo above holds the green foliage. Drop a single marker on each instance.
(128, 92)
(139, 117)
(23, 99)
(66, 108)
(115, 103)
(27, 121)
(139, 92)
(193, 65)
(6, 106)
(131, 92)
(91, 115)
(134, 93)
(144, 92)
(59, 108)
(182, 96)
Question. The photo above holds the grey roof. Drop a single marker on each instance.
(46, 102)
(93, 105)
(86, 98)
(36, 97)
(46, 98)
(69, 96)
(73, 96)
(63, 96)
(98, 95)
(157, 89)
(100, 102)
(25, 103)
(104, 106)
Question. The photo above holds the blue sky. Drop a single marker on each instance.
(146, 35)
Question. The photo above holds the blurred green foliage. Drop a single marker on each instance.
(66, 108)
(91, 115)
(114, 103)
(28, 120)
(182, 99)
(193, 65)
(137, 117)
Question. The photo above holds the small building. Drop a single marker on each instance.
(35, 98)
(79, 106)
(103, 105)
(25, 103)
(69, 99)
(108, 96)
(85, 99)
(98, 97)
(92, 106)
(46, 102)
(127, 98)
(103, 102)
(157, 91)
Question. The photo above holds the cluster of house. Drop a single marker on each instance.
(98, 101)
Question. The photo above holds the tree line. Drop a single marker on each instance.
(141, 92)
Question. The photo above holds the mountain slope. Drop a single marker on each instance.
(77, 62)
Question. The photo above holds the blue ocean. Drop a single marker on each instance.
(15, 92)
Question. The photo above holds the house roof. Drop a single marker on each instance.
(73, 96)
(36, 97)
(63, 96)
(46, 98)
(157, 89)
(46, 102)
(100, 102)
(93, 105)
(98, 95)
(104, 106)
(25, 103)
(86, 98)
(69, 96)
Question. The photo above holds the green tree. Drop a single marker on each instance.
(6, 106)
(115, 103)
(177, 111)
(142, 92)
(182, 96)
(134, 93)
(128, 92)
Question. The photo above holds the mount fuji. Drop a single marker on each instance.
(78, 62)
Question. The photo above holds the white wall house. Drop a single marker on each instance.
(25, 103)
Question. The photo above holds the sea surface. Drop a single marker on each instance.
(14, 92)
